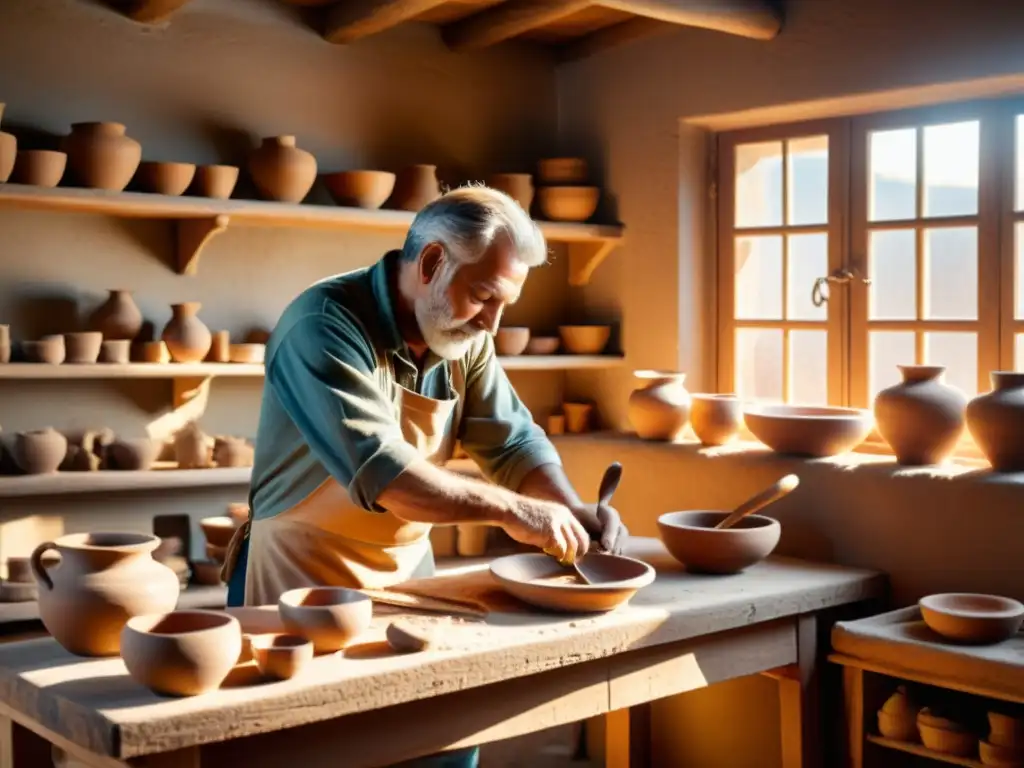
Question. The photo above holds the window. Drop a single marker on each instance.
(851, 246)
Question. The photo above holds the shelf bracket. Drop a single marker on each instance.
(585, 257)
(193, 236)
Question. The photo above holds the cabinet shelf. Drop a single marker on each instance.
(922, 751)
(117, 481)
(198, 220)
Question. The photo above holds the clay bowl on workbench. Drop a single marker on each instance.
(808, 431)
(331, 617)
(972, 618)
(542, 581)
(280, 656)
(693, 540)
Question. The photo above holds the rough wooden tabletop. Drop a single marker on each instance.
(95, 704)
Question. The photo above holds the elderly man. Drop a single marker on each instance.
(371, 376)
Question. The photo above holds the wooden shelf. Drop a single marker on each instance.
(559, 362)
(199, 220)
(921, 751)
(115, 481)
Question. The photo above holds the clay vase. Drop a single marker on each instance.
(660, 409)
(40, 452)
(922, 417)
(996, 422)
(118, 318)
(187, 338)
(101, 156)
(282, 171)
(716, 419)
(415, 186)
(103, 580)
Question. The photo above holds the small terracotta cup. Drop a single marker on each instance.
(716, 419)
(39, 167)
(220, 348)
(155, 352)
(82, 348)
(577, 417)
(556, 424)
(116, 351)
(170, 179)
(49, 349)
(217, 181)
(280, 656)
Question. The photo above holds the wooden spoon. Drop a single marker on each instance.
(779, 489)
(609, 483)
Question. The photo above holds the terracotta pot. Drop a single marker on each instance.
(118, 317)
(8, 154)
(281, 656)
(568, 203)
(82, 347)
(813, 431)
(39, 167)
(472, 540)
(165, 178)
(249, 354)
(282, 171)
(897, 719)
(922, 417)
(103, 580)
(415, 186)
(181, 653)
(948, 738)
(101, 156)
(49, 350)
(996, 422)
(543, 345)
(187, 338)
(330, 617)
(216, 181)
(40, 452)
(716, 419)
(155, 352)
(562, 170)
(1004, 730)
(134, 454)
(1000, 756)
(556, 424)
(192, 448)
(660, 409)
(972, 618)
(577, 416)
(117, 351)
(218, 530)
(220, 348)
(518, 186)
(693, 540)
(511, 341)
(360, 189)
(584, 339)
(232, 452)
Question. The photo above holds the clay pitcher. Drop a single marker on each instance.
(996, 422)
(103, 580)
(187, 338)
(660, 409)
(922, 417)
(118, 318)
(415, 186)
(101, 156)
(282, 171)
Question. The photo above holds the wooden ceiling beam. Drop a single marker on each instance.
(508, 20)
(351, 20)
(757, 19)
(610, 37)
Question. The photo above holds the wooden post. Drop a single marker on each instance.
(799, 701)
(627, 737)
(853, 717)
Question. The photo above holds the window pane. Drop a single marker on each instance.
(959, 353)
(759, 184)
(892, 267)
(1018, 272)
(759, 363)
(808, 260)
(892, 170)
(1020, 162)
(951, 169)
(951, 273)
(886, 350)
(808, 181)
(808, 367)
(759, 278)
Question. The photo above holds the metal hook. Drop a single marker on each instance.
(821, 290)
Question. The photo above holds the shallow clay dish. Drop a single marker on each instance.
(511, 341)
(584, 339)
(360, 189)
(39, 167)
(972, 618)
(543, 345)
(331, 617)
(808, 431)
(182, 653)
(252, 354)
(541, 581)
(280, 656)
(568, 203)
(218, 530)
(165, 178)
(693, 540)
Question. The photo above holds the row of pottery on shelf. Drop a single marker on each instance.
(511, 341)
(662, 407)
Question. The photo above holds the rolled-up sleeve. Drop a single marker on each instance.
(324, 374)
(497, 429)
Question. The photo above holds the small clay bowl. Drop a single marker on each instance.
(207, 572)
(165, 178)
(1004, 730)
(543, 345)
(716, 419)
(39, 167)
(182, 653)
(49, 350)
(216, 181)
(509, 342)
(137, 454)
(218, 530)
(360, 189)
(251, 354)
(692, 539)
(18, 592)
(280, 656)
(155, 352)
(562, 170)
(969, 618)
(82, 348)
(1000, 756)
(809, 431)
(330, 617)
(568, 203)
(949, 737)
(542, 581)
(117, 351)
(584, 339)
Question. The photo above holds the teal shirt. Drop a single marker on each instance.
(328, 407)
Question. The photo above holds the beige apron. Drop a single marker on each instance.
(327, 540)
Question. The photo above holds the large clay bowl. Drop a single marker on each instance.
(693, 540)
(280, 656)
(541, 581)
(39, 167)
(971, 618)
(165, 178)
(568, 203)
(218, 530)
(509, 342)
(360, 189)
(182, 653)
(808, 431)
(584, 339)
(331, 617)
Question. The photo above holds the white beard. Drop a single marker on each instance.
(445, 337)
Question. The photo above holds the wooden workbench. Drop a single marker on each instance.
(516, 673)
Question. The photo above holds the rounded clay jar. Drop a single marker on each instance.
(922, 417)
(282, 171)
(103, 580)
(39, 452)
(660, 409)
(996, 422)
(118, 318)
(101, 156)
(186, 336)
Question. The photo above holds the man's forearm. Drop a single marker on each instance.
(548, 481)
(426, 493)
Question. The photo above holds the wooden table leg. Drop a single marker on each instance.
(627, 737)
(799, 701)
(20, 748)
(853, 717)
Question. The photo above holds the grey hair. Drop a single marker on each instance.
(468, 220)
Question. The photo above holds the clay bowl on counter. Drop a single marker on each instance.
(216, 181)
(715, 419)
(808, 431)
(39, 167)
(568, 203)
(218, 530)
(280, 656)
(182, 653)
(49, 350)
(969, 618)
(360, 189)
(82, 348)
(330, 617)
(251, 354)
(543, 345)
(693, 540)
(117, 351)
(540, 580)
(165, 178)
(135, 454)
(511, 341)
(584, 339)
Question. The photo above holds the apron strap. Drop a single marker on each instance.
(234, 547)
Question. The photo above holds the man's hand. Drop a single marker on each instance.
(604, 526)
(549, 526)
